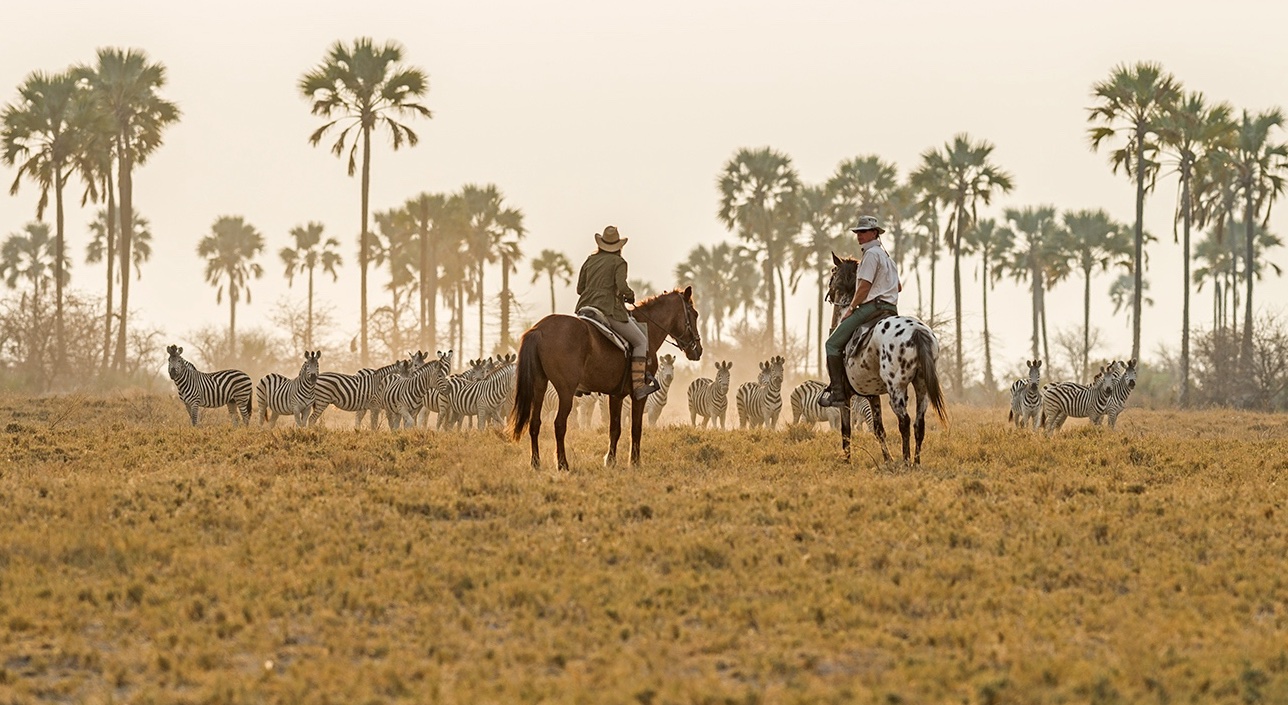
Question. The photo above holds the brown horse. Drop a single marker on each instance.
(570, 354)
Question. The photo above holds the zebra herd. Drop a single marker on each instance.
(405, 392)
(760, 403)
(1104, 398)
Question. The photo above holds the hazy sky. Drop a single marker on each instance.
(591, 113)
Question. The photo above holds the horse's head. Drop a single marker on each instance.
(840, 287)
(676, 315)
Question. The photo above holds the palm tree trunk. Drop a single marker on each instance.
(769, 294)
(308, 331)
(1046, 341)
(782, 305)
(1036, 292)
(60, 355)
(957, 293)
(1185, 285)
(1138, 269)
(990, 384)
(111, 264)
(1086, 321)
(505, 303)
(364, 237)
(232, 321)
(481, 301)
(126, 192)
(1249, 268)
(934, 259)
(550, 275)
(818, 363)
(423, 289)
(431, 306)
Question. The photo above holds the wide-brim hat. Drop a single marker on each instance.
(610, 241)
(867, 222)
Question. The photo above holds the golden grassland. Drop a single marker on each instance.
(145, 561)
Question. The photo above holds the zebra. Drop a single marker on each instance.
(278, 395)
(710, 399)
(1026, 397)
(760, 402)
(807, 410)
(356, 393)
(482, 398)
(231, 388)
(502, 410)
(1122, 383)
(432, 403)
(448, 411)
(403, 396)
(1069, 399)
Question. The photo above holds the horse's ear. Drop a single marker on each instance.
(688, 293)
(836, 260)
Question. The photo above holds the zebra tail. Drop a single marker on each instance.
(926, 364)
(528, 366)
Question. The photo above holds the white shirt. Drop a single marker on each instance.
(877, 267)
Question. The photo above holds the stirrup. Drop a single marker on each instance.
(826, 401)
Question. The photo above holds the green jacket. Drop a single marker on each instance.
(602, 284)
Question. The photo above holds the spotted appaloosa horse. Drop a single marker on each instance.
(901, 351)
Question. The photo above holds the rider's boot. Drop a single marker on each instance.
(834, 395)
(642, 383)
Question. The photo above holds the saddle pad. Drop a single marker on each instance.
(596, 318)
(860, 337)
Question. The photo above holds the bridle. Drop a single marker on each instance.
(692, 335)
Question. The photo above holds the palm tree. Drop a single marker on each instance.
(1191, 132)
(1093, 240)
(723, 277)
(431, 214)
(1218, 262)
(395, 247)
(309, 253)
(32, 255)
(490, 224)
(959, 178)
(553, 265)
(124, 87)
(759, 195)
(861, 185)
(1259, 168)
(228, 251)
(824, 231)
(900, 216)
(99, 249)
(1133, 102)
(1123, 294)
(42, 134)
(1038, 256)
(364, 86)
(990, 242)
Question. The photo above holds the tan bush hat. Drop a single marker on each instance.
(610, 241)
(867, 222)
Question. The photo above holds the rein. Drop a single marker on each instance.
(675, 340)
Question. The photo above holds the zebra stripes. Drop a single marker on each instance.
(760, 402)
(481, 398)
(357, 393)
(231, 388)
(403, 397)
(1069, 399)
(1123, 381)
(277, 395)
(1026, 397)
(807, 410)
(710, 398)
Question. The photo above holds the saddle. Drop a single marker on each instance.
(860, 337)
(596, 318)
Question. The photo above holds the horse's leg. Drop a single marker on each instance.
(878, 426)
(566, 396)
(899, 404)
(846, 430)
(534, 423)
(637, 429)
(919, 427)
(614, 429)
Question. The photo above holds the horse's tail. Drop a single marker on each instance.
(528, 366)
(926, 364)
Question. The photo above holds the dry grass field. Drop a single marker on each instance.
(143, 561)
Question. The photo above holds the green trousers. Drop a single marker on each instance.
(835, 344)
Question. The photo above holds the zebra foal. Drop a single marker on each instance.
(231, 388)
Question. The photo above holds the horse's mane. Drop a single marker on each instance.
(655, 297)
